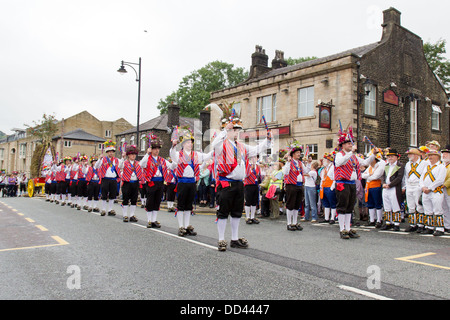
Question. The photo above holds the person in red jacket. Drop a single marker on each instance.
(109, 173)
(93, 181)
(131, 175)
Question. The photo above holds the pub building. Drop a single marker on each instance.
(384, 90)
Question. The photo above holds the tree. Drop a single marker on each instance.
(194, 90)
(434, 53)
(292, 61)
(44, 130)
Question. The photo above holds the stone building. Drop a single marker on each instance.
(384, 90)
(162, 127)
(81, 133)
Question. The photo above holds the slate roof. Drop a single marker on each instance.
(80, 134)
(159, 123)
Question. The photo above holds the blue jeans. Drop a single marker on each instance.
(311, 203)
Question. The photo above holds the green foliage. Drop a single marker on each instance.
(44, 130)
(434, 53)
(291, 61)
(194, 90)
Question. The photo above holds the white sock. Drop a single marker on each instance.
(221, 226)
(90, 203)
(103, 205)
(326, 212)
(132, 210)
(341, 218)
(289, 216)
(372, 215)
(149, 216)
(125, 211)
(187, 218)
(235, 228)
(180, 218)
(253, 211)
(247, 212)
(154, 214)
(379, 215)
(333, 214)
(348, 218)
(294, 216)
(111, 203)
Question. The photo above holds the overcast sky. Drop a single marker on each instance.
(61, 56)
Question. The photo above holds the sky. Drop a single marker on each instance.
(61, 57)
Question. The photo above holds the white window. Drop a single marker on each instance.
(2, 153)
(67, 144)
(413, 124)
(312, 149)
(267, 107)
(237, 108)
(305, 102)
(22, 151)
(108, 133)
(143, 142)
(370, 101)
(100, 146)
(435, 115)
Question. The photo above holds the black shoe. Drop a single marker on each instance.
(111, 213)
(371, 224)
(190, 231)
(291, 227)
(332, 221)
(298, 227)
(249, 221)
(420, 229)
(352, 234)
(182, 232)
(125, 219)
(396, 228)
(438, 233)
(222, 245)
(411, 228)
(156, 224)
(427, 231)
(344, 235)
(386, 226)
(255, 221)
(133, 219)
(240, 243)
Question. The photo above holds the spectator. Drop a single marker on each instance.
(311, 193)
(203, 185)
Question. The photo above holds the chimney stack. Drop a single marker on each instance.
(173, 115)
(260, 62)
(391, 18)
(278, 61)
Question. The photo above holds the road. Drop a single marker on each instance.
(49, 252)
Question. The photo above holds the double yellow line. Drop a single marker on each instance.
(418, 256)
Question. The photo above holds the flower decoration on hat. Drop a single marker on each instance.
(433, 143)
(424, 149)
(294, 146)
(67, 158)
(230, 115)
(185, 134)
(132, 149)
(433, 152)
(153, 140)
(109, 145)
(84, 157)
(345, 136)
(329, 156)
(93, 158)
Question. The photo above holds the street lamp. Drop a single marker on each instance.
(122, 71)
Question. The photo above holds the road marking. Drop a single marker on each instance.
(30, 220)
(177, 236)
(417, 256)
(364, 293)
(60, 241)
(20, 214)
(42, 228)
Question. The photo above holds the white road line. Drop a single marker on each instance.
(364, 293)
(176, 236)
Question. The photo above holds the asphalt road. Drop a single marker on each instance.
(49, 252)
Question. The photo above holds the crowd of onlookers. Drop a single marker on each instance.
(13, 185)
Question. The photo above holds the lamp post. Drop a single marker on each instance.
(122, 71)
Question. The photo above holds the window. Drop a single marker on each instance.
(100, 146)
(67, 144)
(305, 102)
(435, 115)
(143, 142)
(267, 107)
(313, 150)
(238, 108)
(2, 153)
(22, 150)
(370, 101)
(108, 133)
(413, 124)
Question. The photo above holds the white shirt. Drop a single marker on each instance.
(377, 172)
(239, 172)
(305, 169)
(340, 160)
(144, 162)
(310, 180)
(439, 172)
(413, 180)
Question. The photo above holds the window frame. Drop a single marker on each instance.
(308, 102)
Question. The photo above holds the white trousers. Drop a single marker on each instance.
(433, 203)
(390, 202)
(446, 207)
(413, 194)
